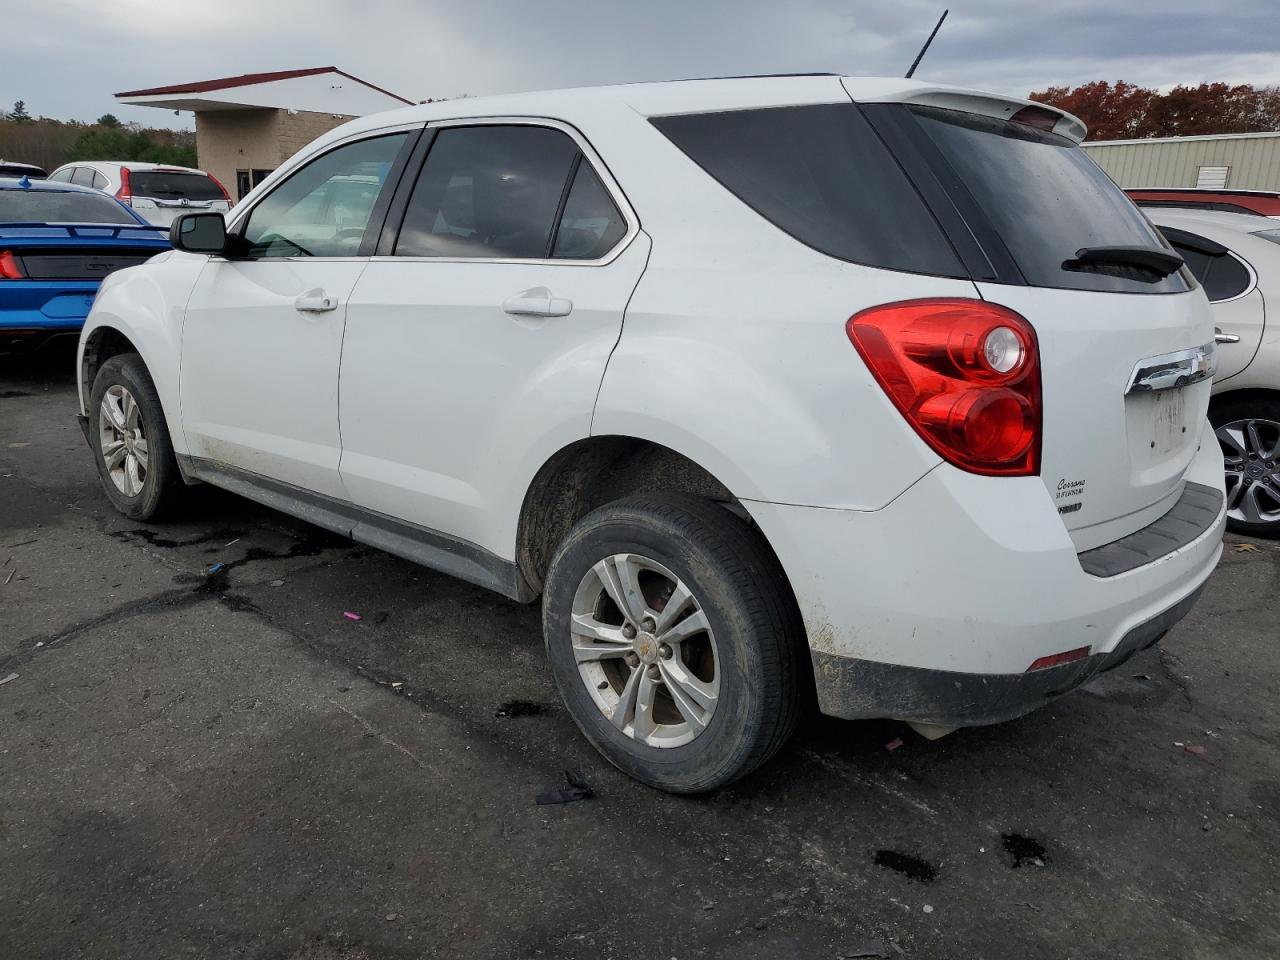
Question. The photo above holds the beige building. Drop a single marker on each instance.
(1234, 161)
(247, 126)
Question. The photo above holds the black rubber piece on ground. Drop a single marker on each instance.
(162, 487)
(748, 602)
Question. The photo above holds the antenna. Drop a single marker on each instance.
(920, 56)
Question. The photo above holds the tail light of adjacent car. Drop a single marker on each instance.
(125, 193)
(964, 373)
(10, 269)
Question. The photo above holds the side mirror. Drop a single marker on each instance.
(199, 233)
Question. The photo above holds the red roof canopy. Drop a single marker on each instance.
(247, 79)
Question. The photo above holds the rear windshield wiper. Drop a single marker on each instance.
(1161, 262)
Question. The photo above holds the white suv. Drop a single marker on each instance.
(159, 192)
(766, 386)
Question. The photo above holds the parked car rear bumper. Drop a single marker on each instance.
(37, 305)
(935, 607)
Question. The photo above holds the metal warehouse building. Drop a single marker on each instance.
(1237, 161)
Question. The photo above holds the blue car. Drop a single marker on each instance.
(57, 242)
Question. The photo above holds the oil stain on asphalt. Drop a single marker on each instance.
(913, 868)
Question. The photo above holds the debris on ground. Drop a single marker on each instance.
(1197, 751)
(276, 583)
(1024, 850)
(352, 616)
(1246, 548)
(392, 917)
(215, 568)
(576, 789)
(10, 576)
(928, 909)
(12, 676)
(893, 744)
(232, 543)
(869, 948)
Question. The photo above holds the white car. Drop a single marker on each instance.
(159, 192)
(766, 386)
(1236, 258)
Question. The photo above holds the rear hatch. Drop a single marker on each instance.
(163, 195)
(1125, 336)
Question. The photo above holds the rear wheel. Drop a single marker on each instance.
(131, 441)
(1248, 430)
(674, 641)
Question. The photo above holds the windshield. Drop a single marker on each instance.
(56, 206)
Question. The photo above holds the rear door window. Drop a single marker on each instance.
(162, 185)
(83, 176)
(489, 192)
(591, 224)
(821, 174)
(1046, 200)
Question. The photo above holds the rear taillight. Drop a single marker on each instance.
(218, 183)
(964, 373)
(125, 193)
(9, 267)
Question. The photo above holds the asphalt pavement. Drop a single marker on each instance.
(216, 761)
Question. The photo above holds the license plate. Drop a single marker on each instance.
(1170, 422)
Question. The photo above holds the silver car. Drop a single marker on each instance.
(159, 192)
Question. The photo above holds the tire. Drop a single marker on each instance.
(755, 638)
(154, 486)
(1252, 461)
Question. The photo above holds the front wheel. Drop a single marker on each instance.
(130, 439)
(1248, 430)
(674, 641)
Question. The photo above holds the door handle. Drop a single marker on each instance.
(537, 302)
(1220, 337)
(315, 301)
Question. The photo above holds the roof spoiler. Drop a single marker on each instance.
(1039, 115)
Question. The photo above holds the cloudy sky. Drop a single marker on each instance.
(66, 57)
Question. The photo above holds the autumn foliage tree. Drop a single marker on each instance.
(1125, 111)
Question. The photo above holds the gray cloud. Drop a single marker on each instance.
(66, 58)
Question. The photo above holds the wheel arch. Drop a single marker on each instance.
(596, 470)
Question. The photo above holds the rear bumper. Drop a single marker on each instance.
(934, 607)
(854, 688)
(39, 306)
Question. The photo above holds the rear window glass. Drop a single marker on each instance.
(821, 174)
(1046, 199)
(158, 185)
(48, 206)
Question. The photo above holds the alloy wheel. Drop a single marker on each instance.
(126, 452)
(645, 650)
(1251, 458)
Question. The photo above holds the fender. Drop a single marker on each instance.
(146, 305)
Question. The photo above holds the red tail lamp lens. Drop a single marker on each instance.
(966, 376)
(125, 193)
(9, 269)
(1057, 659)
